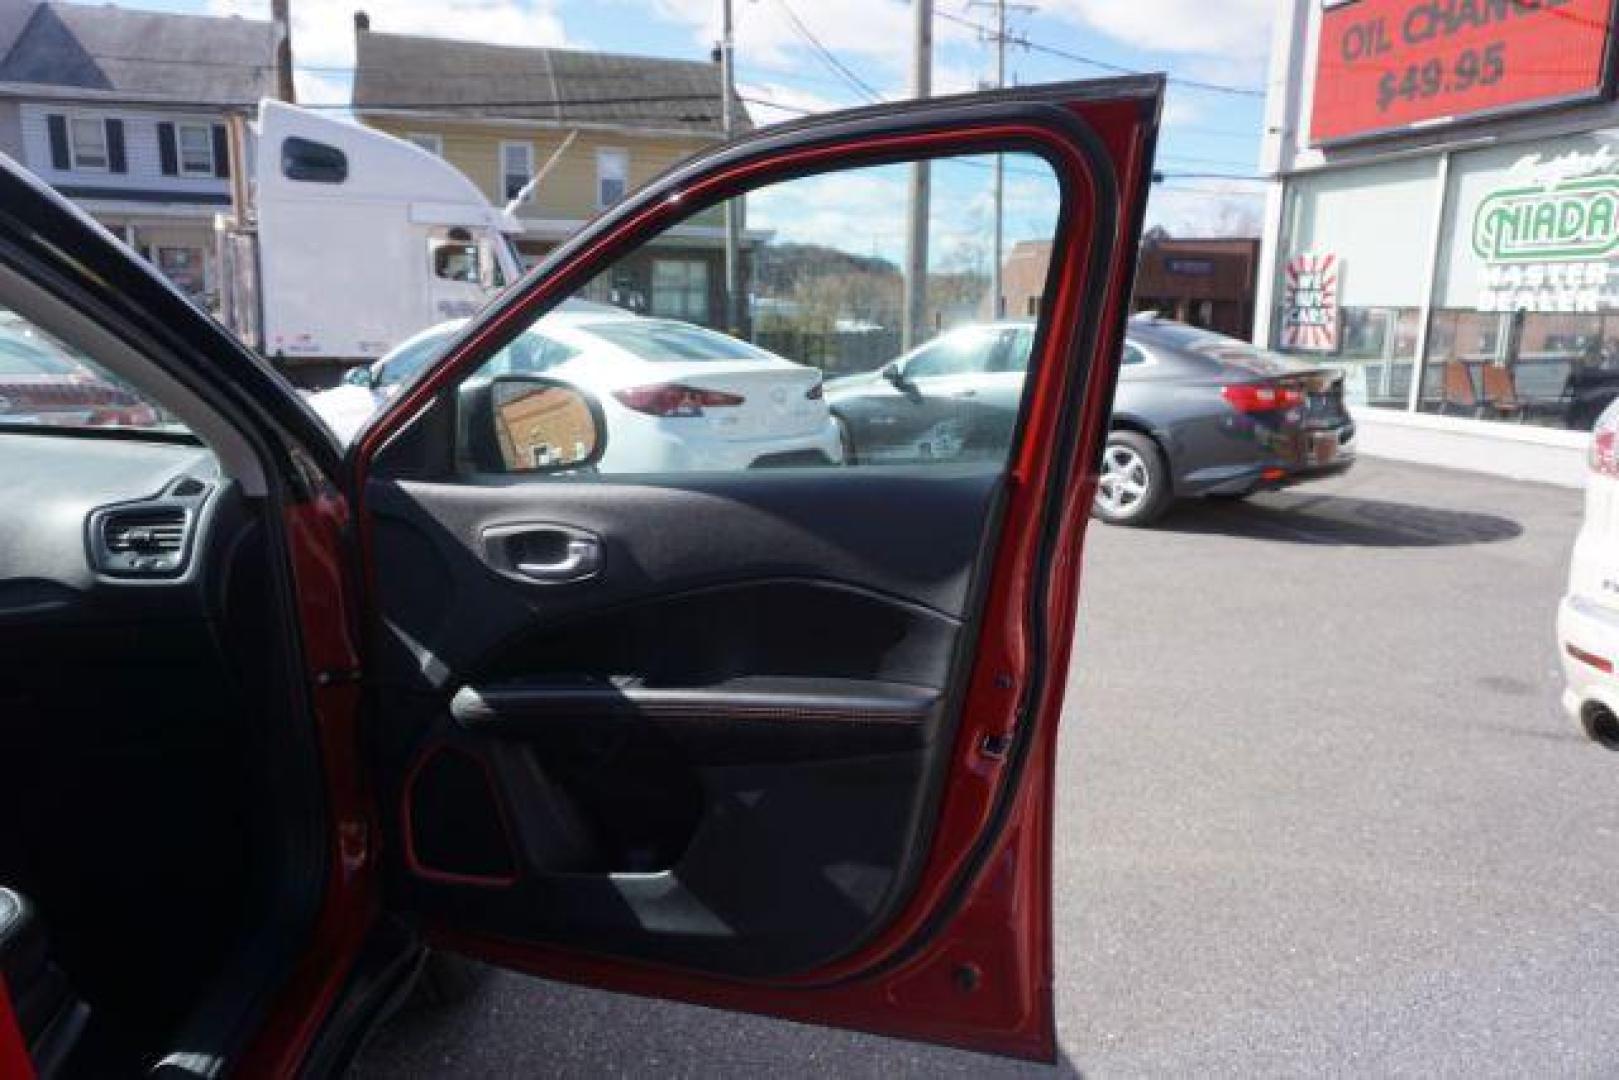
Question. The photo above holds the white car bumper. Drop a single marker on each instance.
(1585, 629)
(666, 447)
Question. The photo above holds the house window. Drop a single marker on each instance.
(680, 289)
(516, 166)
(196, 145)
(89, 143)
(433, 144)
(612, 176)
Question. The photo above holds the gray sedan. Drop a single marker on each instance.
(1195, 414)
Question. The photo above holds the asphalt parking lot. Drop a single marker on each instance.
(1319, 813)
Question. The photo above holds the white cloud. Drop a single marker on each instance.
(772, 103)
(859, 211)
(1228, 28)
(1180, 110)
(864, 211)
(323, 30)
(1210, 208)
(872, 37)
(321, 87)
(957, 78)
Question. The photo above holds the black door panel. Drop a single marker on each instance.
(739, 869)
(787, 528)
(717, 749)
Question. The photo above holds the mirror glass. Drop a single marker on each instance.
(543, 426)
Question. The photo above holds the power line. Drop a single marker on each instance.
(1246, 177)
(765, 72)
(1118, 69)
(1191, 160)
(1242, 177)
(1220, 133)
(860, 85)
(1192, 189)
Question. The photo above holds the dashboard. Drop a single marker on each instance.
(91, 525)
(133, 646)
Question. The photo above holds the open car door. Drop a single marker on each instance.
(673, 693)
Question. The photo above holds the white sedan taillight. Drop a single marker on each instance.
(673, 399)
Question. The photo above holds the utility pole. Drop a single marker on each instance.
(733, 209)
(997, 307)
(913, 329)
(281, 21)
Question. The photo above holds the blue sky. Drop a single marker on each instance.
(1208, 133)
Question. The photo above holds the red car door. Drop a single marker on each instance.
(702, 712)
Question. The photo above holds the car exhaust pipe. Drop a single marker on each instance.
(1600, 723)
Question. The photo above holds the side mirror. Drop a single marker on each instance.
(358, 376)
(897, 378)
(542, 425)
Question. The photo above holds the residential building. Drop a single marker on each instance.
(1443, 222)
(499, 113)
(124, 112)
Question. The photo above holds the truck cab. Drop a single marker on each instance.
(339, 212)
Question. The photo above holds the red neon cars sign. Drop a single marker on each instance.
(1389, 65)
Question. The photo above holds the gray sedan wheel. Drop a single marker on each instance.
(846, 440)
(1133, 488)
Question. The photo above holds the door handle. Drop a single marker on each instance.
(969, 392)
(580, 559)
(542, 552)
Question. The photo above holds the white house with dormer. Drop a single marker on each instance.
(124, 112)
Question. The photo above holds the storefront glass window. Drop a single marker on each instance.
(1525, 327)
(1358, 234)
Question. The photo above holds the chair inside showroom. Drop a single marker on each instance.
(1459, 390)
(1501, 392)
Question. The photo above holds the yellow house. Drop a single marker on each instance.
(499, 113)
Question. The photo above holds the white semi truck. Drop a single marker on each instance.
(346, 240)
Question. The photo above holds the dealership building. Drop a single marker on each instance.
(1444, 222)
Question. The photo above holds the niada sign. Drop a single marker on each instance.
(1575, 219)
(1546, 236)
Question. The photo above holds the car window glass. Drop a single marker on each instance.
(532, 353)
(47, 383)
(1224, 350)
(456, 262)
(1014, 355)
(313, 162)
(410, 359)
(963, 353)
(659, 341)
(828, 353)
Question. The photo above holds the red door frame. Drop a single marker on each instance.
(15, 1063)
(968, 961)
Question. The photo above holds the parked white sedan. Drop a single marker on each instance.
(677, 397)
(1588, 618)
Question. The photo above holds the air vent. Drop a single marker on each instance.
(143, 540)
(146, 532)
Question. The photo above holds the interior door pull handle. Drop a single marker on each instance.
(581, 559)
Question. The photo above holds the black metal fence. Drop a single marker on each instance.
(834, 352)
